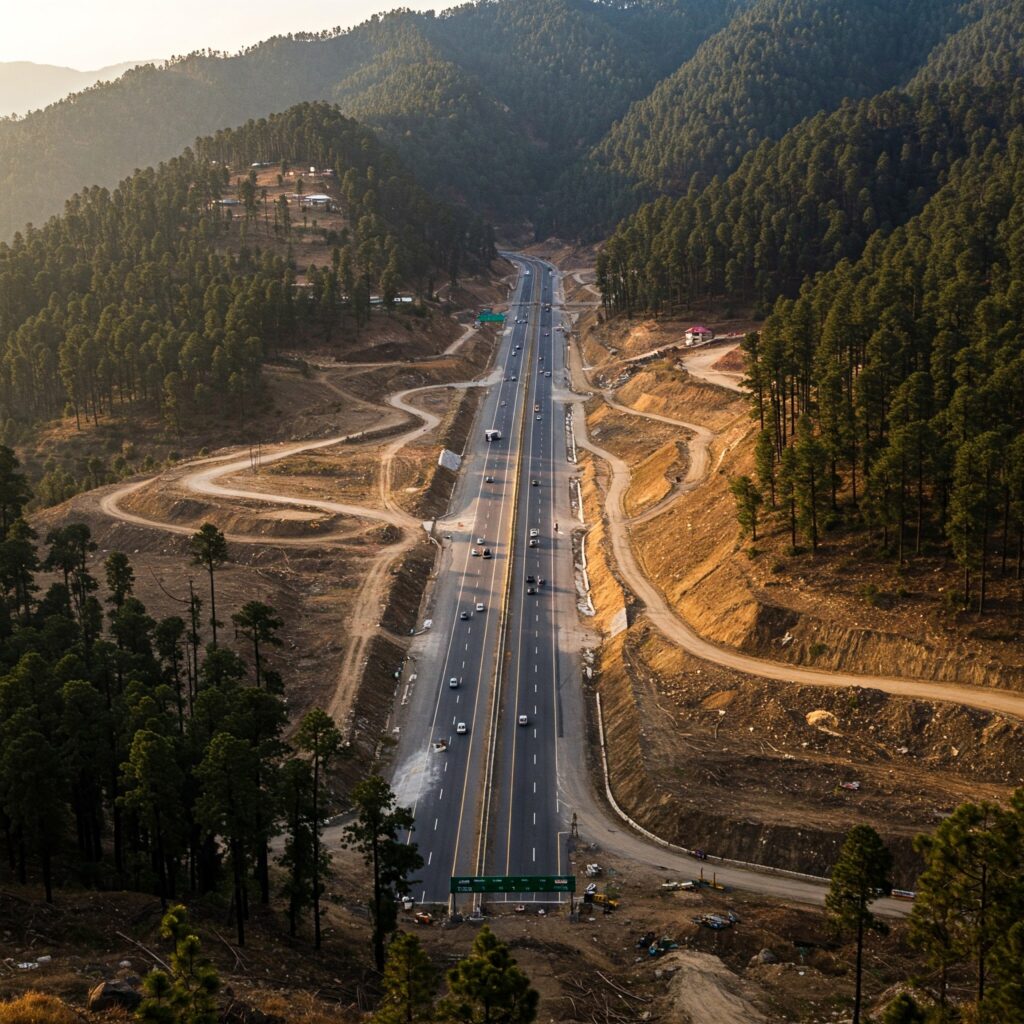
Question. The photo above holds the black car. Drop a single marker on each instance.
(535, 483)
(531, 590)
(531, 578)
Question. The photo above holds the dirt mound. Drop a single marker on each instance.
(666, 389)
(754, 770)
(656, 477)
(630, 437)
(606, 592)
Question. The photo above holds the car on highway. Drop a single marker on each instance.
(548, 374)
(539, 418)
(503, 403)
(480, 540)
(531, 590)
(489, 479)
(531, 578)
(474, 552)
(463, 615)
(534, 532)
(487, 553)
(534, 542)
(524, 719)
(536, 407)
(514, 377)
(480, 606)
(535, 482)
(453, 683)
(461, 729)
(547, 334)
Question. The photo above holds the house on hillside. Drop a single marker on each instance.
(316, 201)
(698, 335)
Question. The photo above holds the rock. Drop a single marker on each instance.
(766, 956)
(108, 994)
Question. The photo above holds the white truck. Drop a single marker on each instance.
(492, 435)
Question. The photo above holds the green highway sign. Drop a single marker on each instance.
(490, 318)
(513, 883)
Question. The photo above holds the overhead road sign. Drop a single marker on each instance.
(512, 883)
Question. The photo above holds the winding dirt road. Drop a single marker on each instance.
(203, 477)
(677, 630)
(700, 457)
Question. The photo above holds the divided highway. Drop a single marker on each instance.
(449, 694)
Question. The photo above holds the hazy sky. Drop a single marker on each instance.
(87, 34)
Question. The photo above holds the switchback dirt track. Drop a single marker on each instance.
(677, 630)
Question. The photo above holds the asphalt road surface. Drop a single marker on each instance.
(448, 695)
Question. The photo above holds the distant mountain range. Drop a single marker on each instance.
(25, 86)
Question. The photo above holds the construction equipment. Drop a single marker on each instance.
(422, 917)
(602, 899)
(677, 886)
(593, 871)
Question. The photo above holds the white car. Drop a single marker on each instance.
(453, 683)
(461, 729)
(534, 532)
(480, 540)
(474, 552)
(548, 374)
(524, 720)
(480, 606)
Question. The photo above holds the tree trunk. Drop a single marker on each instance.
(859, 967)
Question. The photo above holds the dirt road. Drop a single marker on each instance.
(700, 456)
(679, 631)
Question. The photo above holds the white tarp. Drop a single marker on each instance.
(449, 460)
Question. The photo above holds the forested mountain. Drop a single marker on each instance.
(26, 86)
(897, 380)
(885, 238)
(773, 65)
(802, 204)
(146, 295)
(990, 48)
(465, 93)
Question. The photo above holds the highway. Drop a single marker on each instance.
(525, 829)
(445, 787)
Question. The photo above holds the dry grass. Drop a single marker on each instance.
(37, 1008)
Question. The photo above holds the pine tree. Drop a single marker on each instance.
(860, 874)
(210, 550)
(409, 984)
(374, 834)
(319, 738)
(748, 501)
(186, 994)
(488, 987)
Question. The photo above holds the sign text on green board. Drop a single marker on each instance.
(513, 883)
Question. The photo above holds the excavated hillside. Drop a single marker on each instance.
(758, 770)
